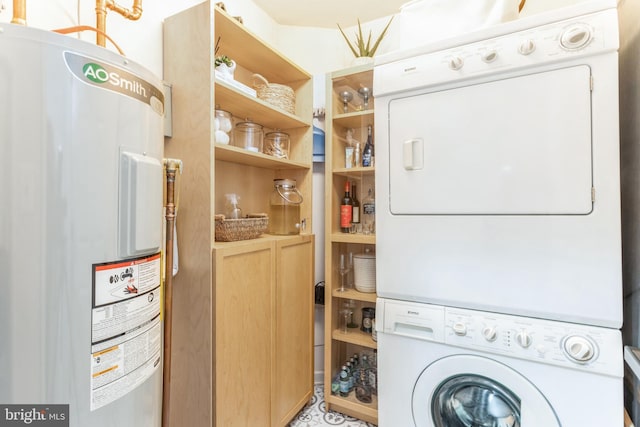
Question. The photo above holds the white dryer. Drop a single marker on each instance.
(450, 367)
(497, 169)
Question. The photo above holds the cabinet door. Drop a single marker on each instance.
(244, 301)
(293, 380)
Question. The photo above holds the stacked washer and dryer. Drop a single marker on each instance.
(499, 248)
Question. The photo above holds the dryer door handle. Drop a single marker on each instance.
(413, 154)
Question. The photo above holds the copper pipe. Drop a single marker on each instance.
(171, 167)
(19, 12)
(101, 15)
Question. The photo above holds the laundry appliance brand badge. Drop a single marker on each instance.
(110, 77)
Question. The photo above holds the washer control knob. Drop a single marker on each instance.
(489, 56)
(526, 47)
(579, 349)
(455, 63)
(576, 37)
(489, 333)
(460, 329)
(524, 339)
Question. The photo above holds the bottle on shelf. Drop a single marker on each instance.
(367, 153)
(369, 213)
(346, 210)
(355, 206)
(344, 382)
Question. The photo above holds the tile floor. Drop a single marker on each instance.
(315, 414)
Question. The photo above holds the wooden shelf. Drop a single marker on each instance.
(275, 316)
(365, 239)
(243, 105)
(230, 153)
(244, 47)
(354, 336)
(357, 119)
(355, 173)
(355, 295)
(368, 411)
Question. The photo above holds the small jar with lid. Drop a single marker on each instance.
(223, 126)
(249, 135)
(277, 144)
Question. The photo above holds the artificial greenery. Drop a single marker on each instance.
(360, 48)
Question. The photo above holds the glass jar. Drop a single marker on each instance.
(277, 144)
(285, 201)
(223, 126)
(249, 135)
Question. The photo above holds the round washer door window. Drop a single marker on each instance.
(475, 391)
(471, 400)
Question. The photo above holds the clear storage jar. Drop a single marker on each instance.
(276, 144)
(223, 127)
(249, 135)
(284, 207)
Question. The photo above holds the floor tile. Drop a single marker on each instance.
(315, 414)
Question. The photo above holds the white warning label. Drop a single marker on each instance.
(126, 331)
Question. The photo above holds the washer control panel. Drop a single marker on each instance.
(571, 345)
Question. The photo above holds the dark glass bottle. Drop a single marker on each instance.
(367, 153)
(346, 210)
(355, 205)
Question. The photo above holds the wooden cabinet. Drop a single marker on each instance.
(338, 344)
(242, 311)
(263, 331)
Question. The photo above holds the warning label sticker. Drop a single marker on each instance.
(126, 330)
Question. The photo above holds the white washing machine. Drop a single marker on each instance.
(449, 367)
(497, 169)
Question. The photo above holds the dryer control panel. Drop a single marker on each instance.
(583, 347)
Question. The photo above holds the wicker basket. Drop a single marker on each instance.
(275, 94)
(231, 230)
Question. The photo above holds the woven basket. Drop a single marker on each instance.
(231, 230)
(275, 94)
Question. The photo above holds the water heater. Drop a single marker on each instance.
(81, 147)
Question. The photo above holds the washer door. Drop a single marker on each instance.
(474, 391)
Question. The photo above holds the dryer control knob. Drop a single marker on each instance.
(579, 349)
(455, 63)
(524, 339)
(490, 334)
(460, 329)
(489, 56)
(526, 47)
(576, 37)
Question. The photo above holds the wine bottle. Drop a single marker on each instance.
(355, 203)
(367, 153)
(346, 209)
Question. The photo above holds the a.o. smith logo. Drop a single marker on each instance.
(34, 415)
(107, 76)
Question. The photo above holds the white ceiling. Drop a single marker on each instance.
(326, 13)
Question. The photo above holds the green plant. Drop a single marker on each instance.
(360, 48)
(222, 59)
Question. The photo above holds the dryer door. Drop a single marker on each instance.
(469, 391)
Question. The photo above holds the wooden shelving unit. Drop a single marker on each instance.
(338, 344)
(242, 311)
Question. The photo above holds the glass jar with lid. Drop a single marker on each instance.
(276, 144)
(223, 127)
(249, 135)
(284, 212)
